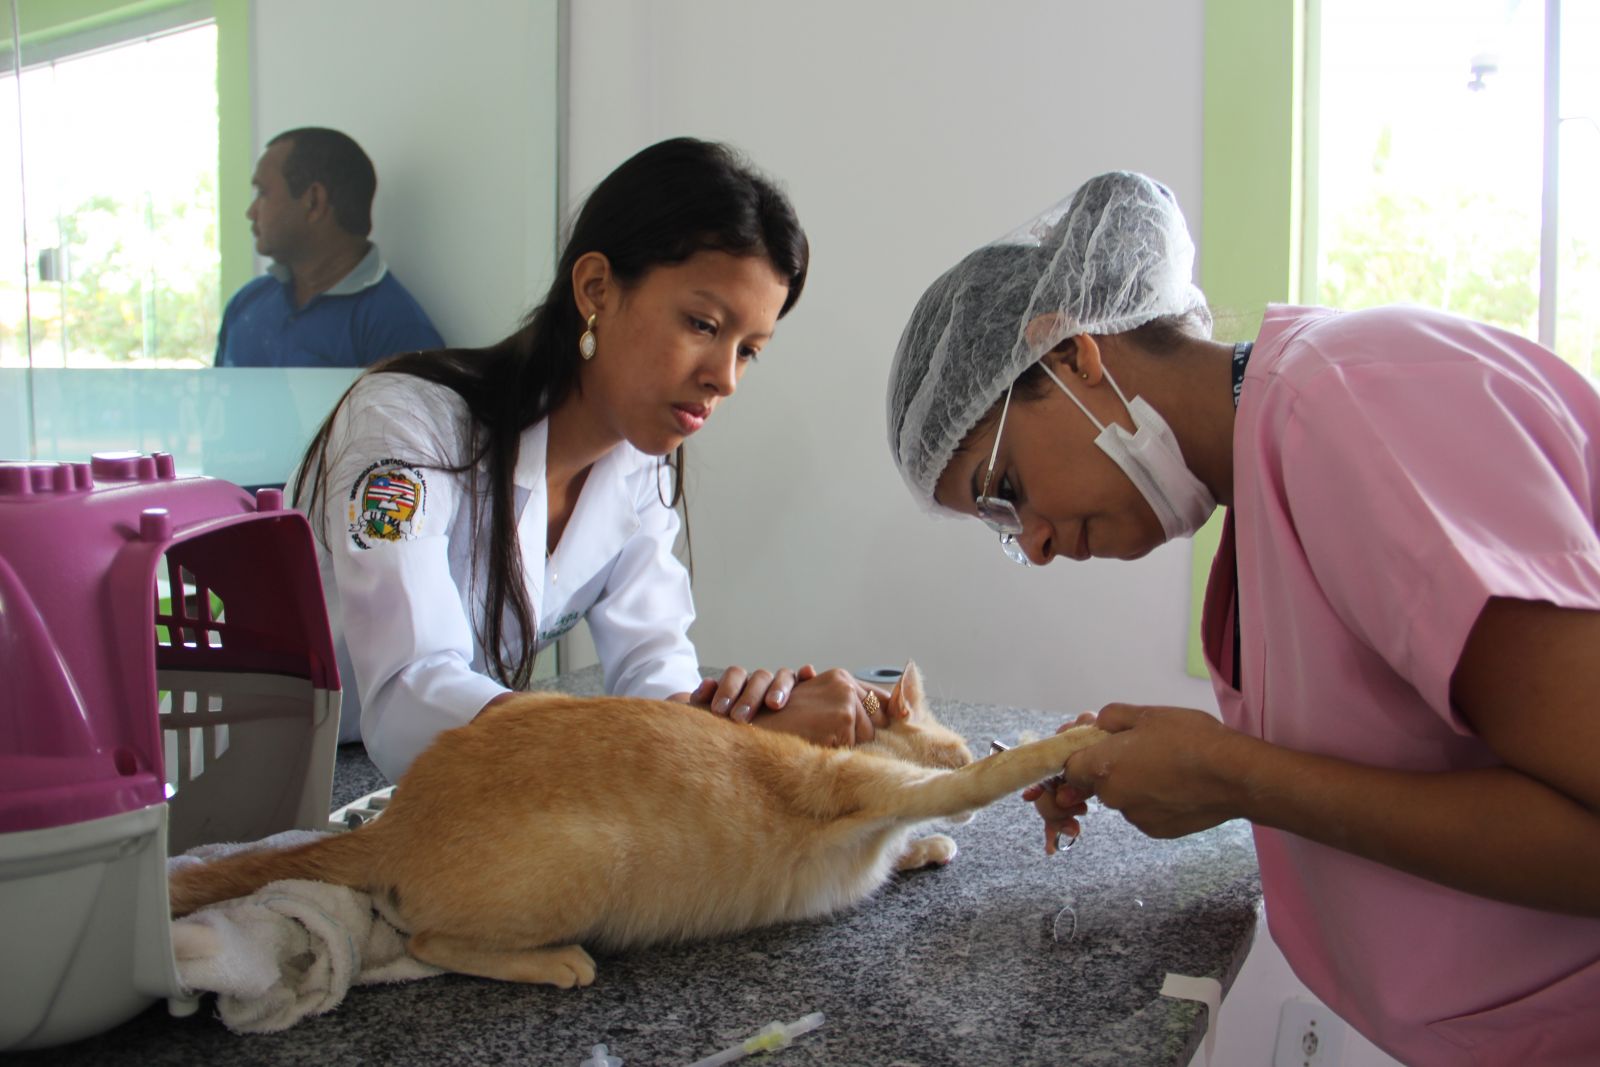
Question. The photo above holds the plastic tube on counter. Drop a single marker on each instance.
(776, 1035)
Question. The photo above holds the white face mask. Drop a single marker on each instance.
(1152, 460)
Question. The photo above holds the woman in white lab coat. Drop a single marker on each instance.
(474, 505)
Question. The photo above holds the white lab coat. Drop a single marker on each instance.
(405, 600)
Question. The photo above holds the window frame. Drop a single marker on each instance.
(1258, 239)
(45, 33)
(1253, 203)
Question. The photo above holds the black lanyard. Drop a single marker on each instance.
(1241, 359)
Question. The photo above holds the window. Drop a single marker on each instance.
(118, 165)
(1431, 176)
(131, 168)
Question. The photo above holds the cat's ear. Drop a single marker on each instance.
(907, 698)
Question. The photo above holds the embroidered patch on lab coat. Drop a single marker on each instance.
(387, 504)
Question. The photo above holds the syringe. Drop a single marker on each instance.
(775, 1035)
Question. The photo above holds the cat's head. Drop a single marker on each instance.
(913, 733)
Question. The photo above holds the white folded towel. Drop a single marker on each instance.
(291, 949)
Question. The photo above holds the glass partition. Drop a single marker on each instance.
(110, 272)
(16, 412)
(245, 424)
(127, 144)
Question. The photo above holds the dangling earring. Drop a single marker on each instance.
(587, 343)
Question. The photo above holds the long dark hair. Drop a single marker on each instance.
(662, 206)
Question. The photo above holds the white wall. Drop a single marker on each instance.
(456, 106)
(907, 134)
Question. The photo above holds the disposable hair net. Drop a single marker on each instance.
(1110, 258)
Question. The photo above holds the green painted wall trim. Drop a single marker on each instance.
(1252, 180)
(54, 19)
(236, 137)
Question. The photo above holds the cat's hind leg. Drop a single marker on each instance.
(935, 849)
(564, 966)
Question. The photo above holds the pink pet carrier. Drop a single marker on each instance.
(167, 679)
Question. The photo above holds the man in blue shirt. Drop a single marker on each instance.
(328, 300)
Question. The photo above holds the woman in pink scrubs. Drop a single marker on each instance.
(1402, 623)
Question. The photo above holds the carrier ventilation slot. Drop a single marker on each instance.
(188, 613)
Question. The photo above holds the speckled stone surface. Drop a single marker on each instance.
(1004, 957)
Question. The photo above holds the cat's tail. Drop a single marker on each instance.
(344, 859)
(989, 779)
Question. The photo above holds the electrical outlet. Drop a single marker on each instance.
(1309, 1035)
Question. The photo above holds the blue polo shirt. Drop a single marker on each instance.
(368, 315)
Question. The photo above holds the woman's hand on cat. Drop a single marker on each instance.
(1166, 769)
(827, 708)
(1058, 803)
(737, 694)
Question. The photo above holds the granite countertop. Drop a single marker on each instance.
(1006, 956)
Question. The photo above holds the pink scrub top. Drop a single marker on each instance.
(1393, 470)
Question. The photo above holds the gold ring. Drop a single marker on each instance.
(871, 703)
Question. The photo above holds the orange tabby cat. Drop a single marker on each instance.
(551, 821)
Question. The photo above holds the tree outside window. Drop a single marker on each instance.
(1429, 161)
(122, 261)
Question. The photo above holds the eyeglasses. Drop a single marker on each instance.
(997, 513)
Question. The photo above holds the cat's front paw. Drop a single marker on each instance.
(933, 850)
(568, 966)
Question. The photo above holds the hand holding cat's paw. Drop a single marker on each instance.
(1066, 797)
(1169, 771)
